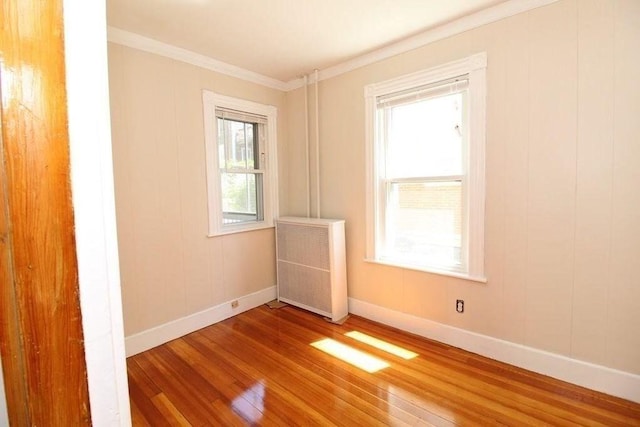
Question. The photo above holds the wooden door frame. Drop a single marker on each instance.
(41, 339)
(92, 180)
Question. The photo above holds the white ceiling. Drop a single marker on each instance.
(284, 39)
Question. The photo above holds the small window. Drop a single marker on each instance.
(425, 165)
(240, 143)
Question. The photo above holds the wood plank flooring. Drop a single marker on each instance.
(259, 368)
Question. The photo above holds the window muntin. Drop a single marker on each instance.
(240, 139)
(425, 168)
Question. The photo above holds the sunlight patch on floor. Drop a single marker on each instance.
(350, 355)
(382, 345)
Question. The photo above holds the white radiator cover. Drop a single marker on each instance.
(311, 265)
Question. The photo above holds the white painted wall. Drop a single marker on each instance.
(93, 201)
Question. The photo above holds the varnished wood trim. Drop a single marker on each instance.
(12, 364)
(41, 339)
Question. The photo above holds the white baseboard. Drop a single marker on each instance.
(589, 375)
(153, 337)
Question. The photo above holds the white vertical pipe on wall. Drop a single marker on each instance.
(317, 147)
(306, 139)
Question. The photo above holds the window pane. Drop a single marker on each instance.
(425, 138)
(241, 197)
(236, 144)
(424, 224)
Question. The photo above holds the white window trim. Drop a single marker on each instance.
(475, 66)
(210, 102)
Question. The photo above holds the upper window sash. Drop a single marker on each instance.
(240, 116)
(424, 92)
(393, 109)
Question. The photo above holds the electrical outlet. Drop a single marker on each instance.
(460, 305)
(234, 304)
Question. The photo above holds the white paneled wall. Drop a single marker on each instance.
(551, 179)
(562, 228)
(169, 268)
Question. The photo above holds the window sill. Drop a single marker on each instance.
(239, 229)
(478, 279)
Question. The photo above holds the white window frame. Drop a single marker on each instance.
(212, 101)
(474, 67)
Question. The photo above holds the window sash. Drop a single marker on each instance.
(424, 92)
(237, 216)
(385, 207)
(240, 116)
(384, 116)
(258, 146)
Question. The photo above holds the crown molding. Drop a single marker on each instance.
(136, 41)
(466, 23)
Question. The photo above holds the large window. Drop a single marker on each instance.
(240, 143)
(426, 169)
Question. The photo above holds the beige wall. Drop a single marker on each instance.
(563, 165)
(169, 268)
(563, 169)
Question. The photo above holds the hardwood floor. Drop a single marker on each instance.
(259, 368)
